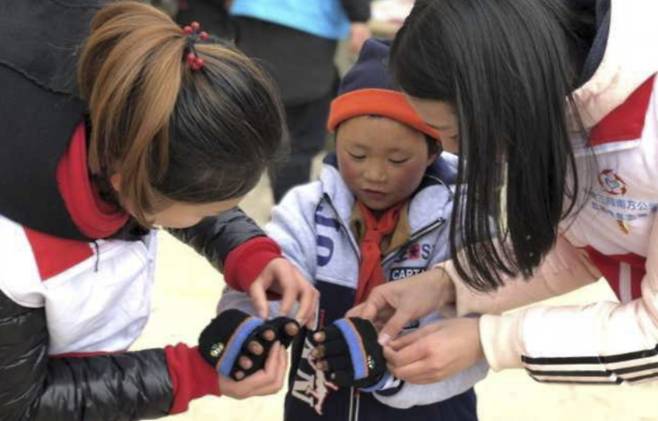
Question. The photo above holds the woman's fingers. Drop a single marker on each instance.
(289, 286)
(406, 356)
(367, 310)
(412, 373)
(259, 299)
(394, 326)
(308, 302)
(406, 340)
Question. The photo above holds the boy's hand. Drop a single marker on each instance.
(267, 381)
(348, 351)
(237, 344)
(281, 277)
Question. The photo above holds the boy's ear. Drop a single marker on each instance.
(434, 149)
(431, 159)
(115, 181)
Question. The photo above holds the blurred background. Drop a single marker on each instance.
(187, 288)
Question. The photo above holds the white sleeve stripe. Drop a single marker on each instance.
(625, 293)
(648, 376)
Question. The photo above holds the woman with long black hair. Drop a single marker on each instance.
(552, 108)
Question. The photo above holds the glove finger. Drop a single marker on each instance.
(335, 348)
(331, 333)
(215, 337)
(286, 329)
(255, 349)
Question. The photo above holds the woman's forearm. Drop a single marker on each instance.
(563, 270)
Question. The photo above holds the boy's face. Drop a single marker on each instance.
(382, 161)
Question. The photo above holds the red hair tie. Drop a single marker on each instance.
(194, 34)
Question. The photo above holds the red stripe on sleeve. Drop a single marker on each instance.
(191, 376)
(243, 265)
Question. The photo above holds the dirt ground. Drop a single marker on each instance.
(187, 290)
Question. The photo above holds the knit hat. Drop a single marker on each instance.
(368, 89)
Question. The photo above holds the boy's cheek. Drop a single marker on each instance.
(348, 172)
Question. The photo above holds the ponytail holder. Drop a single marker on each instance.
(194, 34)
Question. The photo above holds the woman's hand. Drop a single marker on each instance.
(436, 351)
(393, 305)
(281, 277)
(264, 382)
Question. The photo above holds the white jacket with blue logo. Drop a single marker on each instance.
(311, 225)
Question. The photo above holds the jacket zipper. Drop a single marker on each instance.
(355, 247)
(415, 236)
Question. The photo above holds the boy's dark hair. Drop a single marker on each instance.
(173, 133)
(507, 67)
(433, 146)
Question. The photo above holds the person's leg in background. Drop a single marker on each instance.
(306, 126)
(302, 65)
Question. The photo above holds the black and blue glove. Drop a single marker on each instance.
(237, 344)
(348, 351)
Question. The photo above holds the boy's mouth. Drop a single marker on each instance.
(374, 194)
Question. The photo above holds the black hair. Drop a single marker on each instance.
(508, 67)
(433, 146)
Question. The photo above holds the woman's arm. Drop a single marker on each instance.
(563, 270)
(123, 386)
(395, 304)
(232, 231)
(251, 261)
(606, 342)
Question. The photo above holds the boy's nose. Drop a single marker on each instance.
(375, 174)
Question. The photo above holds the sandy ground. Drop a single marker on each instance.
(188, 289)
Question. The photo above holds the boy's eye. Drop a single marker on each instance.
(398, 161)
(357, 156)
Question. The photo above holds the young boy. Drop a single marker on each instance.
(380, 212)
